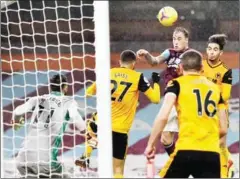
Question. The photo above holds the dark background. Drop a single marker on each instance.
(133, 24)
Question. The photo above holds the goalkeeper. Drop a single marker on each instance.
(51, 115)
(126, 84)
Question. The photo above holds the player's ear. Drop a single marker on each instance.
(120, 63)
(133, 65)
(201, 68)
(221, 52)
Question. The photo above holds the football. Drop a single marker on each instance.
(167, 16)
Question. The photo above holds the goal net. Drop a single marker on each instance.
(40, 39)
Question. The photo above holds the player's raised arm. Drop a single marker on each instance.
(223, 122)
(91, 90)
(26, 107)
(17, 118)
(153, 94)
(151, 59)
(226, 85)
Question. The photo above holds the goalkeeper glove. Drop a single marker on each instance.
(155, 77)
(19, 124)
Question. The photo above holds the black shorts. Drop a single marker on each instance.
(199, 164)
(120, 142)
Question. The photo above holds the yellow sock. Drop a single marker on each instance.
(88, 151)
(224, 154)
(117, 175)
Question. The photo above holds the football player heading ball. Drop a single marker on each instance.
(171, 57)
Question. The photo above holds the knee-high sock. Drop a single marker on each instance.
(88, 151)
(224, 161)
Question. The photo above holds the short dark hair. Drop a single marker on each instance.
(57, 82)
(183, 30)
(191, 60)
(220, 39)
(128, 56)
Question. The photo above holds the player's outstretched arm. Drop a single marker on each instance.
(151, 59)
(153, 94)
(26, 107)
(91, 90)
(226, 85)
(159, 123)
(18, 118)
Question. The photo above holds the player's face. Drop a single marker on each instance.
(65, 89)
(213, 51)
(180, 42)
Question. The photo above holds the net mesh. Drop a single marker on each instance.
(40, 39)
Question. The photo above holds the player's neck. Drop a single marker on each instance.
(127, 66)
(57, 93)
(191, 73)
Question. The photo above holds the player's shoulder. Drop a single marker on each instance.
(66, 100)
(174, 83)
(171, 50)
(209, 83)
(69, 99)
(114, 69)
(180, 79)
(225, 67)
(126, 71)
(33, 98)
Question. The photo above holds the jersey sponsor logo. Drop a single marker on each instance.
(218, 75)
(174, 61)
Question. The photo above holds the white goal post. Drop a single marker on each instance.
(102, 71)
(102, 47)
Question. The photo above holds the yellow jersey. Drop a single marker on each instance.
(221, 75)
(125, 87)
(197, 107)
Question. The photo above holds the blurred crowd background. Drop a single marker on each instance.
(133, 24)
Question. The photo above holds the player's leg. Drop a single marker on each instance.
(224, 155)
(177, 166)
(119, 153)
(91, 144)
(206, 165)
(84, 161)
(167, 137)
(225, 158)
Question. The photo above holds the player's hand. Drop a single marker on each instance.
(19, 124)
(150, 152)
(155, 77)
(141, 53)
